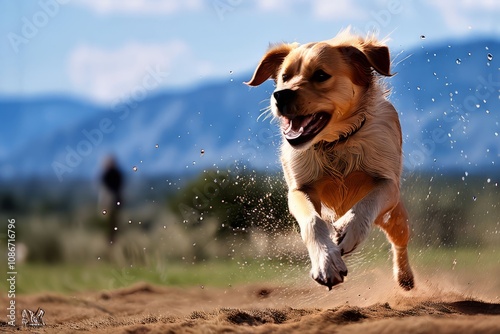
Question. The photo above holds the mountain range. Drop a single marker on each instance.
(448, 97)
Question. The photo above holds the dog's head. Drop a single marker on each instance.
(319, 85)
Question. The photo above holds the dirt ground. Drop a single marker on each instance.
(368, 303)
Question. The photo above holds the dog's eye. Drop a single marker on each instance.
(320, 76)
(284, 77)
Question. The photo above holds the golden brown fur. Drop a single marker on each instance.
(341, 152)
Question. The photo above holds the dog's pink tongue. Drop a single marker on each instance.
(294, 128)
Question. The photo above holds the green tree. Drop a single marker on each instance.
(238, 201)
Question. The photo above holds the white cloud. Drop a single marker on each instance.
(481, 5)
(108, 74)
(339, 9)
(460, 15)
(275, 5)
(320, 9)
(141, 6)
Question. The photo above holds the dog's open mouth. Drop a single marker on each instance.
(301, 129)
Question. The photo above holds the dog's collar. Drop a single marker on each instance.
(342, 138)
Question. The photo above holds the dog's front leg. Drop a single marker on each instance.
(328, 268)
(353, 227)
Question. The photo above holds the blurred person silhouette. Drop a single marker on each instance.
(110, 196)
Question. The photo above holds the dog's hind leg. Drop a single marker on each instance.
(396, 227)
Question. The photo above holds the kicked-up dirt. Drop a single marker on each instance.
(371, 303)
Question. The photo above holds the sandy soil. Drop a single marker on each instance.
(370, 303)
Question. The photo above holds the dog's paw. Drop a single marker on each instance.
(328, 268)
(348, 242)
(338, 234)
(405, 279)
(348, 233)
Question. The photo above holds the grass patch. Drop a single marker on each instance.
(453, 257)
(66, 278)
(70, 278)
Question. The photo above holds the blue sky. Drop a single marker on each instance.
(102, 50)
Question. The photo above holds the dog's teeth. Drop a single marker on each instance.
(305, 122)
(301, 129)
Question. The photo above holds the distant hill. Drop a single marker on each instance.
(163, 134)
(447, 95)
(449, 102)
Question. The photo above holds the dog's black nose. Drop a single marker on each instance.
(284, 98)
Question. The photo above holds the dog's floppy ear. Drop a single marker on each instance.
(379, 58)
(365, 58)
(270, 63)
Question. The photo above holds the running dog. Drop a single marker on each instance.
(342, 148)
